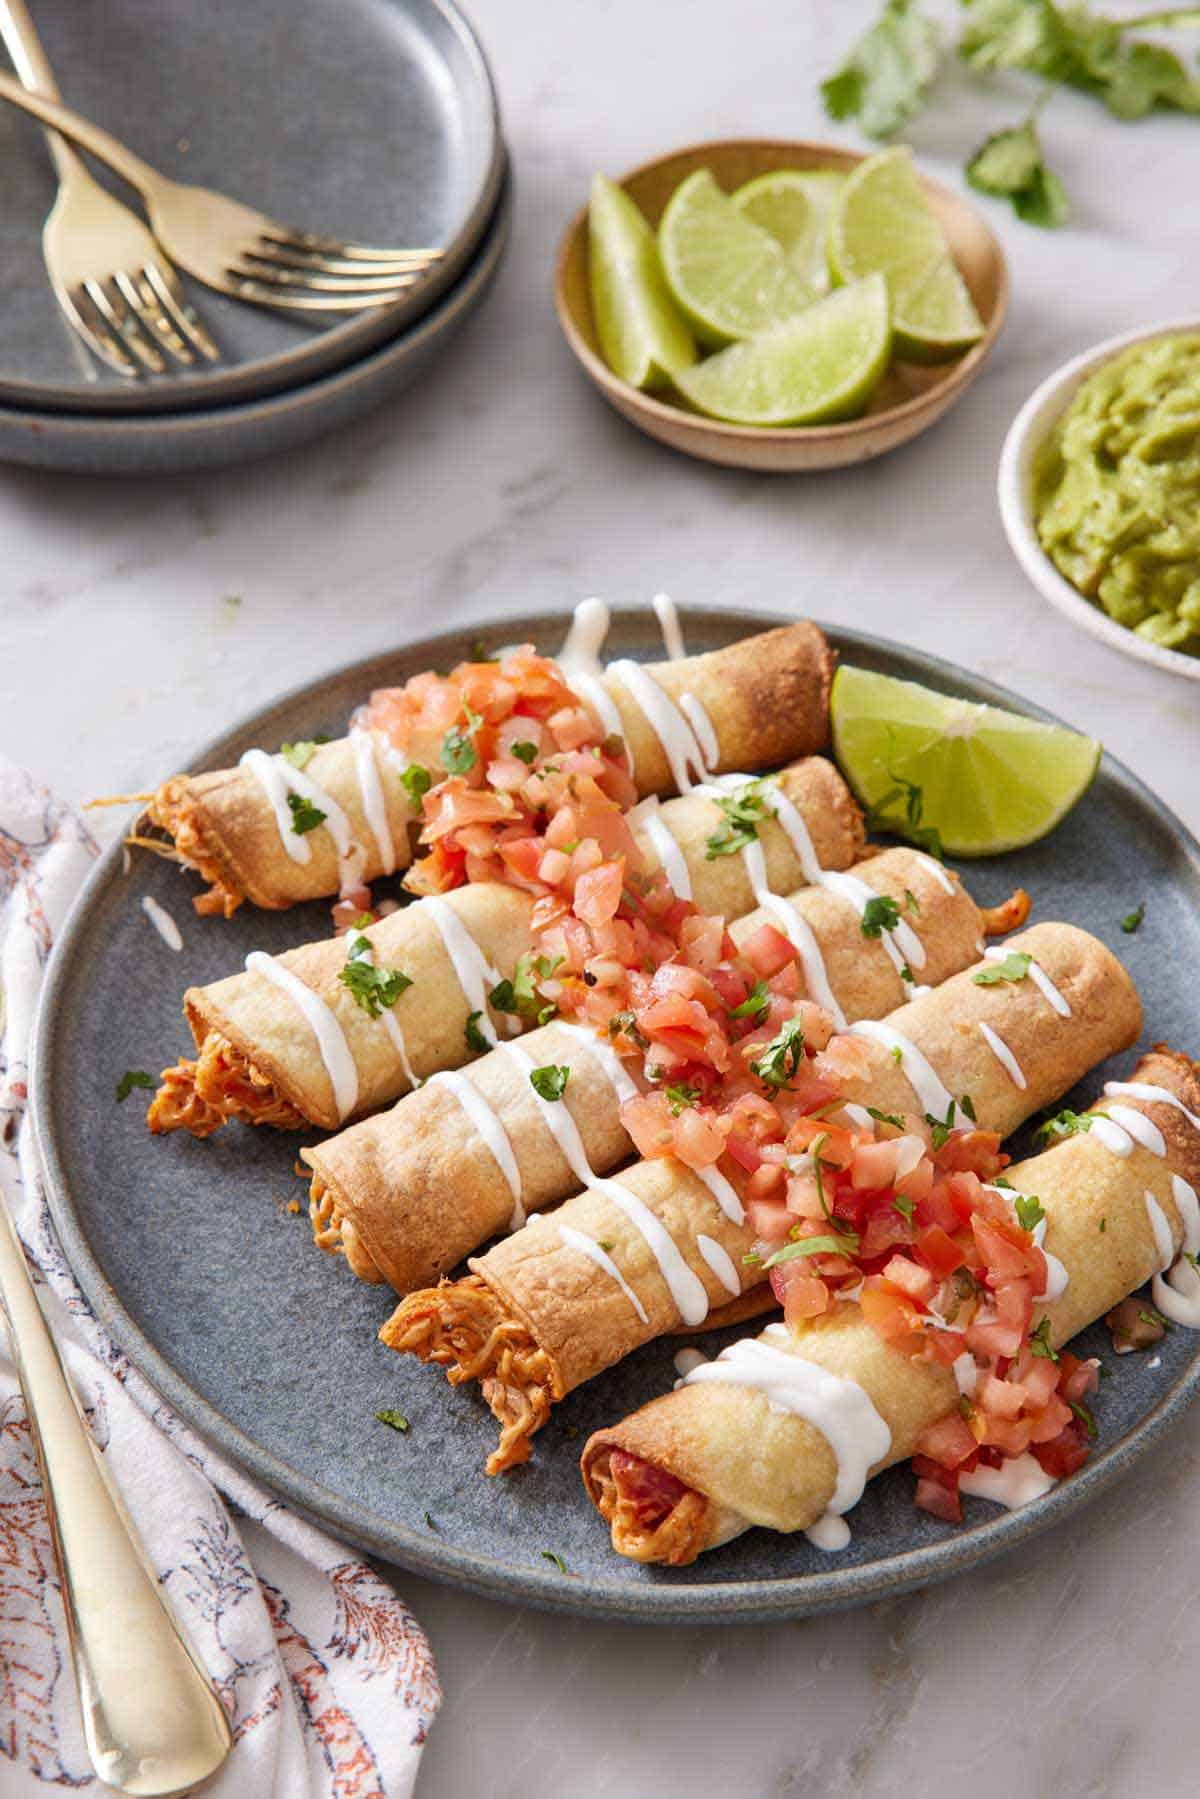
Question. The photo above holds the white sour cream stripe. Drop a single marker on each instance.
(686, 1288)
(1004, 1056)
(163, 923)
(1143, 1130)
(721, 1263)
(724, 1192)
(934, 867)
(679, 745)
(331, 1039)
(278, 779)
(1037, 974)
(490, 1130)
(693, 710)
(1155, 1095)
(1119, 1142)
(933, 1096)
(374, 805)
(1164, 1236)
(838, 1408)
(623, 1085)
(1018, 1480)
(472, 970)
(666, 847)
(587, 1246)
(667, 614)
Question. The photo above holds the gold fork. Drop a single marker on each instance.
(232, 247)
(111, 280)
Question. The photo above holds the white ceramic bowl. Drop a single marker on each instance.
(1029, 430)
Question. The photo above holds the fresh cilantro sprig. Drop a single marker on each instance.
(476, 1038)
(133, 1077)
(879, 915)
(459, 755)
(416, 781)
(375, 989)
(744, 811)
(520, 994)
(755, 1004)
(884, 80)
(1065, 1124)
(1029, 1210)
(782, 1056)
(1039, 1341)
(1010, 166)
(1014, 967)
(301, 753)
(550, 1081)
(305, 816)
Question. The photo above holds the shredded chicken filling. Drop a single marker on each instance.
(663, 1527)
(221, 1084)
(336, 1234)
(462, 1327)
(173, 810)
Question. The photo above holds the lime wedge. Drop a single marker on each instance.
(883, 222)
(982, 779)
(729, 275)
(823, 365)
(795, 206)
(644, 338)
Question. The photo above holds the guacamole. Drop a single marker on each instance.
(1117, 490)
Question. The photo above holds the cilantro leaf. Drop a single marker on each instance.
(520, 995)
(879, 915)
(459, 755)
(375, 989)
(550, 1081)
(1010, 166)
(1065, 1124)
(1132, 920)
(940, 1128)
(905, 1207)
(305, 816)
(756, 1002)
(814, 1246)
(301, 753)
(966, 1106)
(1029, 1210)
(550, 1555)
(744, 811)
(680, 1096)
(395, 1419)
(882, 83)
(133, 1077)
(476, 1039)
(1014, 967)
(1084, 1415)
(782, 1056)
(416, 781)
(1075, 47)
(524, 751)
(886, 1117)
(1039, 1341)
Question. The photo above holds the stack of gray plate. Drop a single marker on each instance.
(371, 120)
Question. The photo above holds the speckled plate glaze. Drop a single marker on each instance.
(372, 120)
(192, 1259)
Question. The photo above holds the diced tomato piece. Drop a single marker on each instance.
(702, 939)
(883, 1232)
(891, 1315)
(598, 894)
(1077, 1379)
(1054, 1418)
(938, 1252)
(1066, 1452)
(767, 951)
(1008, 1252)
(941, 1501)
(874, 1164)
(801, 1293)
(648, 1121)
(1002, 1398)
(916, 1282)
(938, 1208)
(768, 1181)
(948, 1442)
(769, 1221)
(1012, 1435)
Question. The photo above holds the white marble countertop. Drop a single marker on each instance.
(503, 483)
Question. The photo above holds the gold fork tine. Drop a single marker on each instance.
(283, 256)
(152, 316)
(83, 318)
(115, 312)
(276, 275)
(261, 294)
(333, 247)
(188, 323)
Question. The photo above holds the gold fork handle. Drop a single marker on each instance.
(82, 132)
(33, 66)
(153, 1724)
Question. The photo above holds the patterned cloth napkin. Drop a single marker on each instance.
(326, 1677)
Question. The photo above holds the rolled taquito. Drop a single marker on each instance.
(302, 1050)
(758, 703)
(660, 1248)
(407, 1194)
(1120, 1204)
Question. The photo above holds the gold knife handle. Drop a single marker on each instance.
(152, 1721)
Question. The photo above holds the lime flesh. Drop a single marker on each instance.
(986, 780)
(730, 277)
(795, 206)
(644, 337)
(883, 223)
(823, 365)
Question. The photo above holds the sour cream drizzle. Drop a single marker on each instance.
(934, 867)
(924, 1082)
(838, 1408)
(472, 970)
(331, 1039)
(1019, 1479)
(1156, 1095)
(490, 1130)
(687, 1359)
(666, 847)
(1164, 1236)
(278, 778)
(723, 1191)
(386, 1017)
(686, 1288)
(163, 923)
(1037, 974)
(374, 805)
(587, 1246)
(1143, 1130)
(721, 1263)
(1003, 1055)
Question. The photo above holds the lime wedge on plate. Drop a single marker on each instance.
(729, 275)
(644, 338)
(795, 206)
(984, 780)
(883, 223)
(823, 365)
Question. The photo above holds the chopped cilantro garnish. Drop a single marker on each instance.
(1014, 967)
(680, 1097)
(883, 80)
(1039, 1341)
(966, 1106)
(523, 751)
(549, 1555)
(911, 900)
(476, 1039)
(814, 1246)
(940, 1128)
(1065, 1124)
(782, 1056)
(756, 1002)
(550, 1081)
(1029, 1210)
(133, 1077)
(605, 1246)
(1084, 1415)
(545, 967)
(905, 1207)
(897, 1054)
(886, 1117)
(1132, 920)
(1149, 1316)
(458, 749)
(744, 811)
(301, 753)
(396, 1420)
(520, 994)
(416, 781)
(1103, 1226)
(430, 1521)
(623, 1024)
(376, 990)
(878, 915)
(305, 816)
(1010, 165)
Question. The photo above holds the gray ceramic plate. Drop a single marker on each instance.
(372, 120)
(168, 442)
(191, 1258)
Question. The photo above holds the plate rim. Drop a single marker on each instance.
(325, 352)
(487, 1576)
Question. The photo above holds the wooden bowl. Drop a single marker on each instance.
(907, 400)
